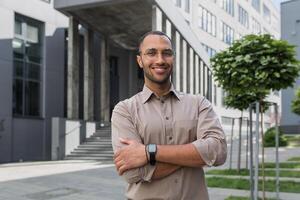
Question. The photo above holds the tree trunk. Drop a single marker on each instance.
(263, 151)
(240, 144)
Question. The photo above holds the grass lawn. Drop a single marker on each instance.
(241, 198)
(293, 140)
(283, 165)
(245, 172)
(294, 159)
(243, 184)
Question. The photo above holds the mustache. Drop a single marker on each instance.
(160, 65)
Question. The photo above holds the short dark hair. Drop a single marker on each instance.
(141, 40)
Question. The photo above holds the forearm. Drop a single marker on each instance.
(164, 169)
(182, 155)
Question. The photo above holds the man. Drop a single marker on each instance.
(163, 138)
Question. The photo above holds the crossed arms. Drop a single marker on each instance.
(130, 155)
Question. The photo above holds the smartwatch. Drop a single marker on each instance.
(151, 148)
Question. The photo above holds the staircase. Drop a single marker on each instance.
(97, 147)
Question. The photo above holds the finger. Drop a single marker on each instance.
(124, 141)
(122, 169)
(117, 153)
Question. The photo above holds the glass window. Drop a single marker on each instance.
(267, 13)
(256, 28)
(228, 6)
(256, 5)
(210, 51)
(27, 54)
(187, 6)
(226, 120)
(243, 17)
(207, 21)
(227, 33)
(178, 3)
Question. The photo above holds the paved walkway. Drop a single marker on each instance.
(83, 180)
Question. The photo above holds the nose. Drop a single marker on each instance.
(160, 58)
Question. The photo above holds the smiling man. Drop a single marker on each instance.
(163, 138)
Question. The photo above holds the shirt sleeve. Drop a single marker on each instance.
(211, 142)
(123, 127)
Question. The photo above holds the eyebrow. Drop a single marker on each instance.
(154, 49)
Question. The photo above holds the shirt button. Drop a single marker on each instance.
(162, 101)
(170, 138)
(167, 118)
(176, 181)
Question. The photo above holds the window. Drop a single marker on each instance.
(226, 120)
(207, 21)
(210, 51)
(256, 28)
(267, 13)
(215, 94)
(224, 94)
(27, 56)
(187, 6)
(227, 33)
(178, 3)
(228, 6)
(256, 5)
(243, 17)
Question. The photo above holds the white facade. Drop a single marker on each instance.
(217, 23)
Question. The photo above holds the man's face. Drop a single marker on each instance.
(156, 58)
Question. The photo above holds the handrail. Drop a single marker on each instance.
(67, 133)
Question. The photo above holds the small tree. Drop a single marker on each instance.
(254, 64)
(241, 102)
(296, 102)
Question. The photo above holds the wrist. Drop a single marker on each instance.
(151, 150)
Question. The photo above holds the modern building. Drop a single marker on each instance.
(290, 30)
(32, 46)
(217, 23)
(63, 73)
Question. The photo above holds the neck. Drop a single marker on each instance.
(158, 89)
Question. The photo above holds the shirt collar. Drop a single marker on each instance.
(147, 93)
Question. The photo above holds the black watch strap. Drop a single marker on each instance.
(151, 148)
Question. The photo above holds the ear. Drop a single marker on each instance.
(139, 61)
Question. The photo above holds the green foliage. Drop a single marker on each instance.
(269, 138)
(241, 101)
(296, 102)
(253, 66)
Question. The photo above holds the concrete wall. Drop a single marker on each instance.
(28, 138)
(67, 135)
(290, 29)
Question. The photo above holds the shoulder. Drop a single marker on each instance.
(127, 105)
(193, 98)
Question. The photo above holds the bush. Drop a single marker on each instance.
(269, 138)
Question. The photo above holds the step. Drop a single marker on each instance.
(98, 155)
(108, 150)
(87, 158)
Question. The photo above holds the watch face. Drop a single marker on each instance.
(152, 148)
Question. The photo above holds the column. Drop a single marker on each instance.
(172, 31)
(197, 78)
(105, 86)
(88, 75)
(73, 70)
(178, 61)
(156, 18)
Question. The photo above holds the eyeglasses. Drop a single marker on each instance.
(153, 53)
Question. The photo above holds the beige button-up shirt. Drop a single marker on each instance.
(176, 118)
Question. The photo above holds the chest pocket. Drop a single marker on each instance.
(185, 131)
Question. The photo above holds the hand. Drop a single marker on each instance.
(129, 157)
